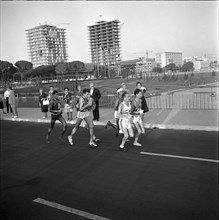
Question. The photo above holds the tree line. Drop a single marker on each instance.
(23, 70)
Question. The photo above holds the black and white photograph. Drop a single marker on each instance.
(109, 110)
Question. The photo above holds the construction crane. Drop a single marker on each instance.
(121, 25)
(147, 52)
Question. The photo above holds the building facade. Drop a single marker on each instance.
(104, 38)
(145, 65)
(47, 45)
(201, 65)
(166, 58)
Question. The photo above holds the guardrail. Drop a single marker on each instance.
(202, 100)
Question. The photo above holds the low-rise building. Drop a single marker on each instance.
(165, 58)
(145, 65)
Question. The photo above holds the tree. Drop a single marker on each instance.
(188, 66)
(23, 66)
(61, 68)
(41, 71)
(124, 72)
(76, 67)
(7, 70)
(170, 66)
(157, 69)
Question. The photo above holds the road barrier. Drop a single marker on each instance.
(201, 100)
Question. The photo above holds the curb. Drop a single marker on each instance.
(182, 127)
(150, 126)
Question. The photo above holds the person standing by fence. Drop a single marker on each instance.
(12, 102)
(125, 88)
(95, 94)
(51, 89)
(6, 97)
(2, 104)
(144, 105)
(43, 102)
(77, 96)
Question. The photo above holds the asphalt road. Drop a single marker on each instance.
(176, 178)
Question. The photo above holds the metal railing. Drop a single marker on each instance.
(202, 100)
(174, 101)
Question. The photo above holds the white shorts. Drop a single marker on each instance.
(83, 115)
(125, 123)
(137, 119)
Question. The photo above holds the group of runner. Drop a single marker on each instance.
(129, 115)
(85, 105)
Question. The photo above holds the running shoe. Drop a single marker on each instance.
(70, 140)
(96, 139)
(122, 148)
(137, 144)
(92, 144)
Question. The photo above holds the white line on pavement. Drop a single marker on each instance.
(180, 157)
(69, 209)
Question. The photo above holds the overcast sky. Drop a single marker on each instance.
(174, 26)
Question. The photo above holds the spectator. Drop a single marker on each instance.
(67, 103)
(6, 97)
(144, 105)
(43, 102)
(2, 104)
(12, 102)
(51, 89)
(125, 88)
(95, 94)
(78, 94)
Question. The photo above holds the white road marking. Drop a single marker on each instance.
(69, 209)
(180, 157)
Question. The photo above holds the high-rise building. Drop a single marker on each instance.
(105, 48)
(166, 58)
(47, 45)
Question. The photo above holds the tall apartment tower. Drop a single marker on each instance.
(105, 44)
(47, 45)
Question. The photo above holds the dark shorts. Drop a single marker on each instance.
(44, 108)
(56, 117)
(144, 106)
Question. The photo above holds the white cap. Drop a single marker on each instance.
(119, 90)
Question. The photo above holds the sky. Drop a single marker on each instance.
(190, 27)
